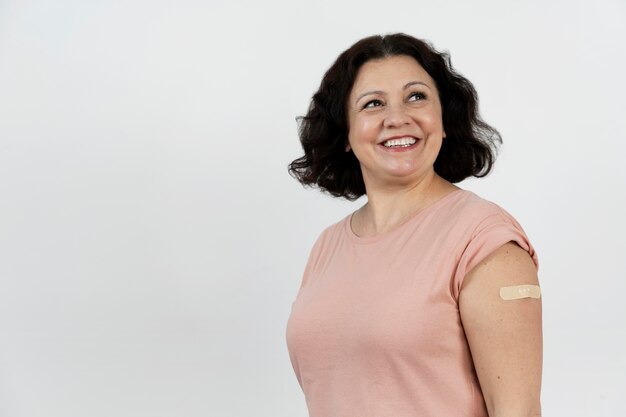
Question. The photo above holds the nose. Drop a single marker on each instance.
(396, 116)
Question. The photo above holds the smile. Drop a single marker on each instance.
(401, 141)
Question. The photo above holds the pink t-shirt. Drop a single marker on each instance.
(375, 329)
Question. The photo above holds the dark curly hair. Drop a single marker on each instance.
(470, 146)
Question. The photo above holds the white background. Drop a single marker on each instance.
(151, 240)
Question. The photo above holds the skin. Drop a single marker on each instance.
(505, 337)
(395, 96)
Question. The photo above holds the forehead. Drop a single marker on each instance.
(388, 73)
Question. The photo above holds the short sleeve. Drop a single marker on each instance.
(490, 234)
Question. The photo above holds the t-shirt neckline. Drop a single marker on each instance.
(372, 239)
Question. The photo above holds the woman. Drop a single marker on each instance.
(400, 311)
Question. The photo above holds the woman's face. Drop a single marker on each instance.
(394, 102)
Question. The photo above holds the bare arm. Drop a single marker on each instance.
(505, 337)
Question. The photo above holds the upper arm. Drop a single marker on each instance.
(505, 337)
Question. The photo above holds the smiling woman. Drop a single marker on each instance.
(469, 148)
(398, 312)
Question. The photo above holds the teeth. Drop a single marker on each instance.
(402, 142)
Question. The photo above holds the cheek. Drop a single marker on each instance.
(432, 120)
(362, 128)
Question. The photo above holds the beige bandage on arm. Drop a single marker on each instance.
(520, 291)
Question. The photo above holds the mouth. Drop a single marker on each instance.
(399, 142)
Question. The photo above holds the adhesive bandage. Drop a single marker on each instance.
(520, 291)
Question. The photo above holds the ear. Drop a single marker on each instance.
(348, 147)
(444, 134)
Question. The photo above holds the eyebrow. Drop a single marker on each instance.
(407, 85)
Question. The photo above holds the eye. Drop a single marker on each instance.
(417, 96)
(372, 103)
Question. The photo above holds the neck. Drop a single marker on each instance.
(388, 206)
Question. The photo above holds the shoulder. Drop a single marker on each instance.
(476, 208)
(327, 235)
(467, 214)
(491, 232)
(479, 214)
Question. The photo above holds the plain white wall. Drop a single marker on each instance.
(151, 240)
